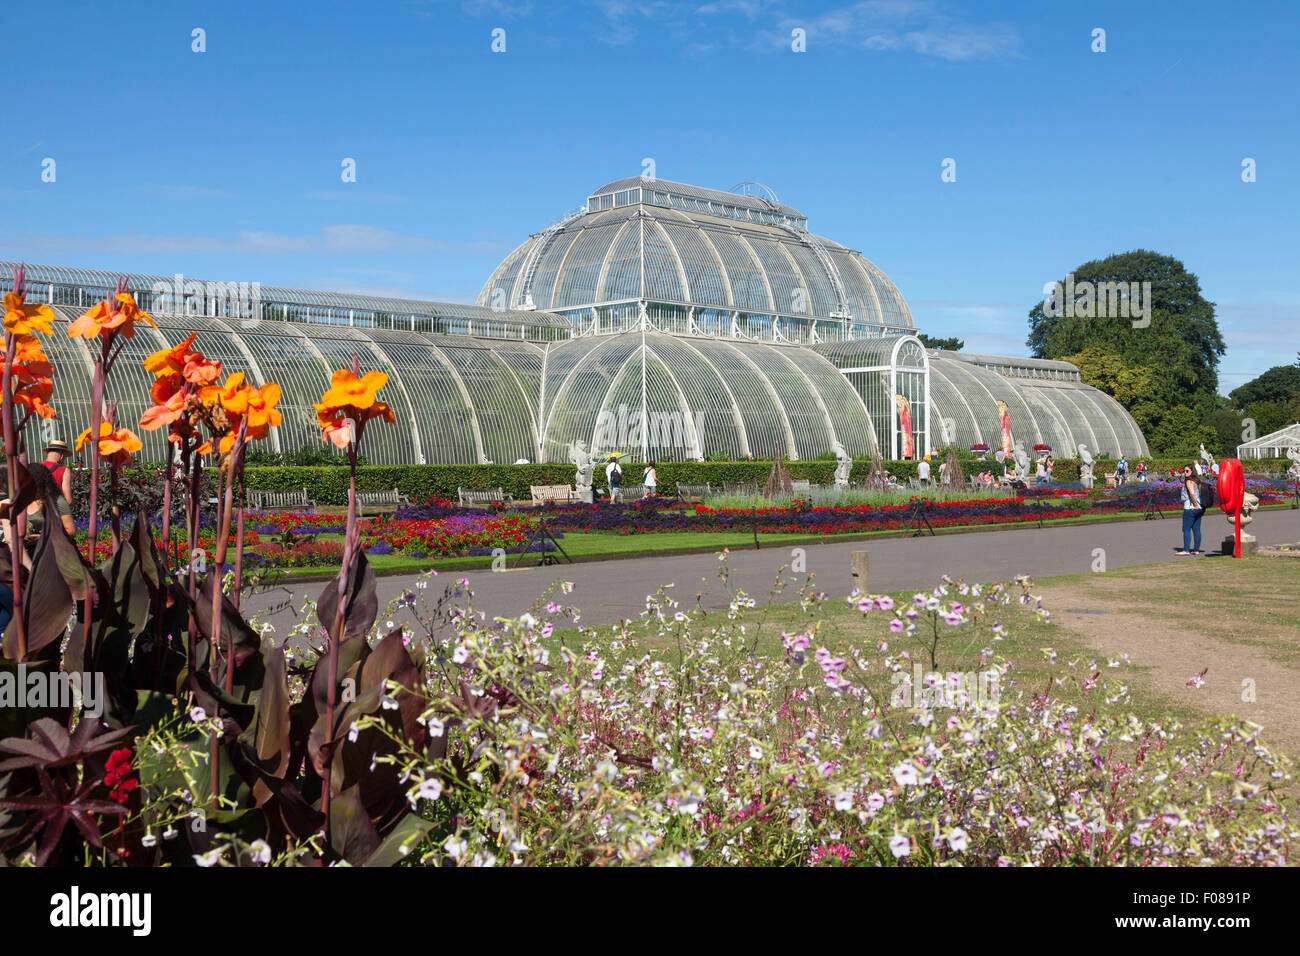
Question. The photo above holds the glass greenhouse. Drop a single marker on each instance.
(1283, 443)
(662, 319)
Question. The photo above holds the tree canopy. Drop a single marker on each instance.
(1281, 383)
(1182, 341)
(950, 344)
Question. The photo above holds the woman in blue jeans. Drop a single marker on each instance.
(1192, 513)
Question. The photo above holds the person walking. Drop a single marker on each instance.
(1121, 470)
(1040, 472)
(944, 477)
(923, 473)
(614, 476)
(1142, 472)
(651, 479)
(1192, 512)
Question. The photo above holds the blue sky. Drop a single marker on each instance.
(226, 164)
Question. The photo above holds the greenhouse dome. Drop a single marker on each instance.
(695, 260)
(715, 318)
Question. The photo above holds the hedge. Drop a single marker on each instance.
(329, 485)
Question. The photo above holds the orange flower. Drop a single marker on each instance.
(260, 405)
(164, 413)
(335, 426)
(117, 314)
(199, 371)
(115, 445)
(172, 360)
(23, 319)
(232, 396)
(348, 390)
(36, 397)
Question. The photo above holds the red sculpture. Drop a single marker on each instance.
(1232, 492)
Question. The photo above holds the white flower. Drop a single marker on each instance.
(259, 851)
(435, 727)
(843, 800)
(526, 620)
(905, 773)
(353, 732)
(957, 839)
(388, 703)
(455, 847)
(689, 804)
(755, 752)
(207, 859)
(460, 655)
(198, 714)
(875, 801)
(149, 839)
(900, 845)
(430, 789)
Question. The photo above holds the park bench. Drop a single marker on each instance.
(280, 500)
(478, 498)
(801, 486)
(740, 488)
(376, 500)
(689, 492)
(557, 493)
(632, 492)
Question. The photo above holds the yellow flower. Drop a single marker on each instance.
(23, 319)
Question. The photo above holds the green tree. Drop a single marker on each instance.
(1279, 384)
(950, 344)
(1180, 434)
(1182, 340)
(1268, 416)
(1226, 423)
(1142, 389)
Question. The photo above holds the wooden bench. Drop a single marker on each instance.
(377, 500)
(478, 498)
(801, 486)
(280, 500)
(687, 492)
(631, 492)
(558, 493)
(740, 488)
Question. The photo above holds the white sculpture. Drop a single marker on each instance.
(1294, 455)
(843, 465)
(1022, 460)
(1085, 466)
(1207, 461)
(585, 465)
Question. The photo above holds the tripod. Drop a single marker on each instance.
(1151, 505)
(919, 508)
(540, 537)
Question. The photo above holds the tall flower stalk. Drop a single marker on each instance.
(342, 414)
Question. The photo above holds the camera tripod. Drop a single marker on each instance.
(1151, 504)
(540, 537)
(919, 508)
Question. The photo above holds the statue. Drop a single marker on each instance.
(1294, 455)
(586, 467)
(1207, 461)
(1085, 467)
(1249, 503)
(843, 465)
(1022, 461)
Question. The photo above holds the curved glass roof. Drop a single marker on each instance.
(1063, 413)
(741, 399)
(643, 249)
(84, 287)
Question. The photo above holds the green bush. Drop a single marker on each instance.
(328, 485)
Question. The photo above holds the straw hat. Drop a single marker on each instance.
(59, 445)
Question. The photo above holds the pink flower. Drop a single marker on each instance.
(896, 625)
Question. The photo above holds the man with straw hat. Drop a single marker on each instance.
(55, 452)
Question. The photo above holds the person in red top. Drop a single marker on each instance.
(55, 452)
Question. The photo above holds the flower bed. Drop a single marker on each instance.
(438, 537)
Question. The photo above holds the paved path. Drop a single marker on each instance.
(608, 591)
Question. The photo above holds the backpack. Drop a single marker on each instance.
(1207, 494)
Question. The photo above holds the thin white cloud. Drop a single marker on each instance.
(916, 26)
(337, 239)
